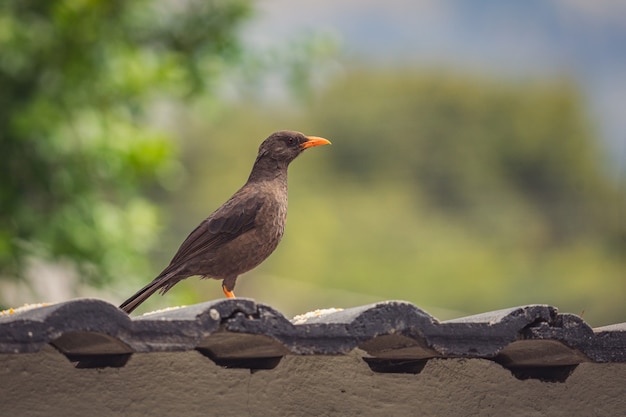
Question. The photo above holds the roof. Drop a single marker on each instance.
(533, 341)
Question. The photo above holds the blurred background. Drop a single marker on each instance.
(478, 158)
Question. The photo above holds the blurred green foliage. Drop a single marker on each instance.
(475, 148)
(461, 194)
(76, 78)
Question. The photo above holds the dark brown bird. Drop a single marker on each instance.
(245, 230)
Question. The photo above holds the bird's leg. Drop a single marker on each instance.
(228, 285)
(227, 293)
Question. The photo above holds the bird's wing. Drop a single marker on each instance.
(234, 218)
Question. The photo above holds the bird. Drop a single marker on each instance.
(243, 231)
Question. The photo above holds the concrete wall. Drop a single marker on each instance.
(189, 384)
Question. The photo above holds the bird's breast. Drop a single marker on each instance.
(270, 221)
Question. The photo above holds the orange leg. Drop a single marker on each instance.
(227, 293)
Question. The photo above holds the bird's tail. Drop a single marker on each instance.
(163, 282)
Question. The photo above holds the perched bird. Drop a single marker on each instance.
(245, 230)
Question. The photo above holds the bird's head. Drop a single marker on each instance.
(284, 146)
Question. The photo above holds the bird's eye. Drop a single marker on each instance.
(291, 141)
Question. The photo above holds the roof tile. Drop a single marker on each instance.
(242, 333)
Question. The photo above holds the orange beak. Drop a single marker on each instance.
(314, 141)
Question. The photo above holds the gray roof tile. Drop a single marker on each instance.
(395, 336)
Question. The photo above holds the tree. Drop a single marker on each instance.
(477, 147)
(76, 80)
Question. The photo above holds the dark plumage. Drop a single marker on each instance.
(245, 230)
